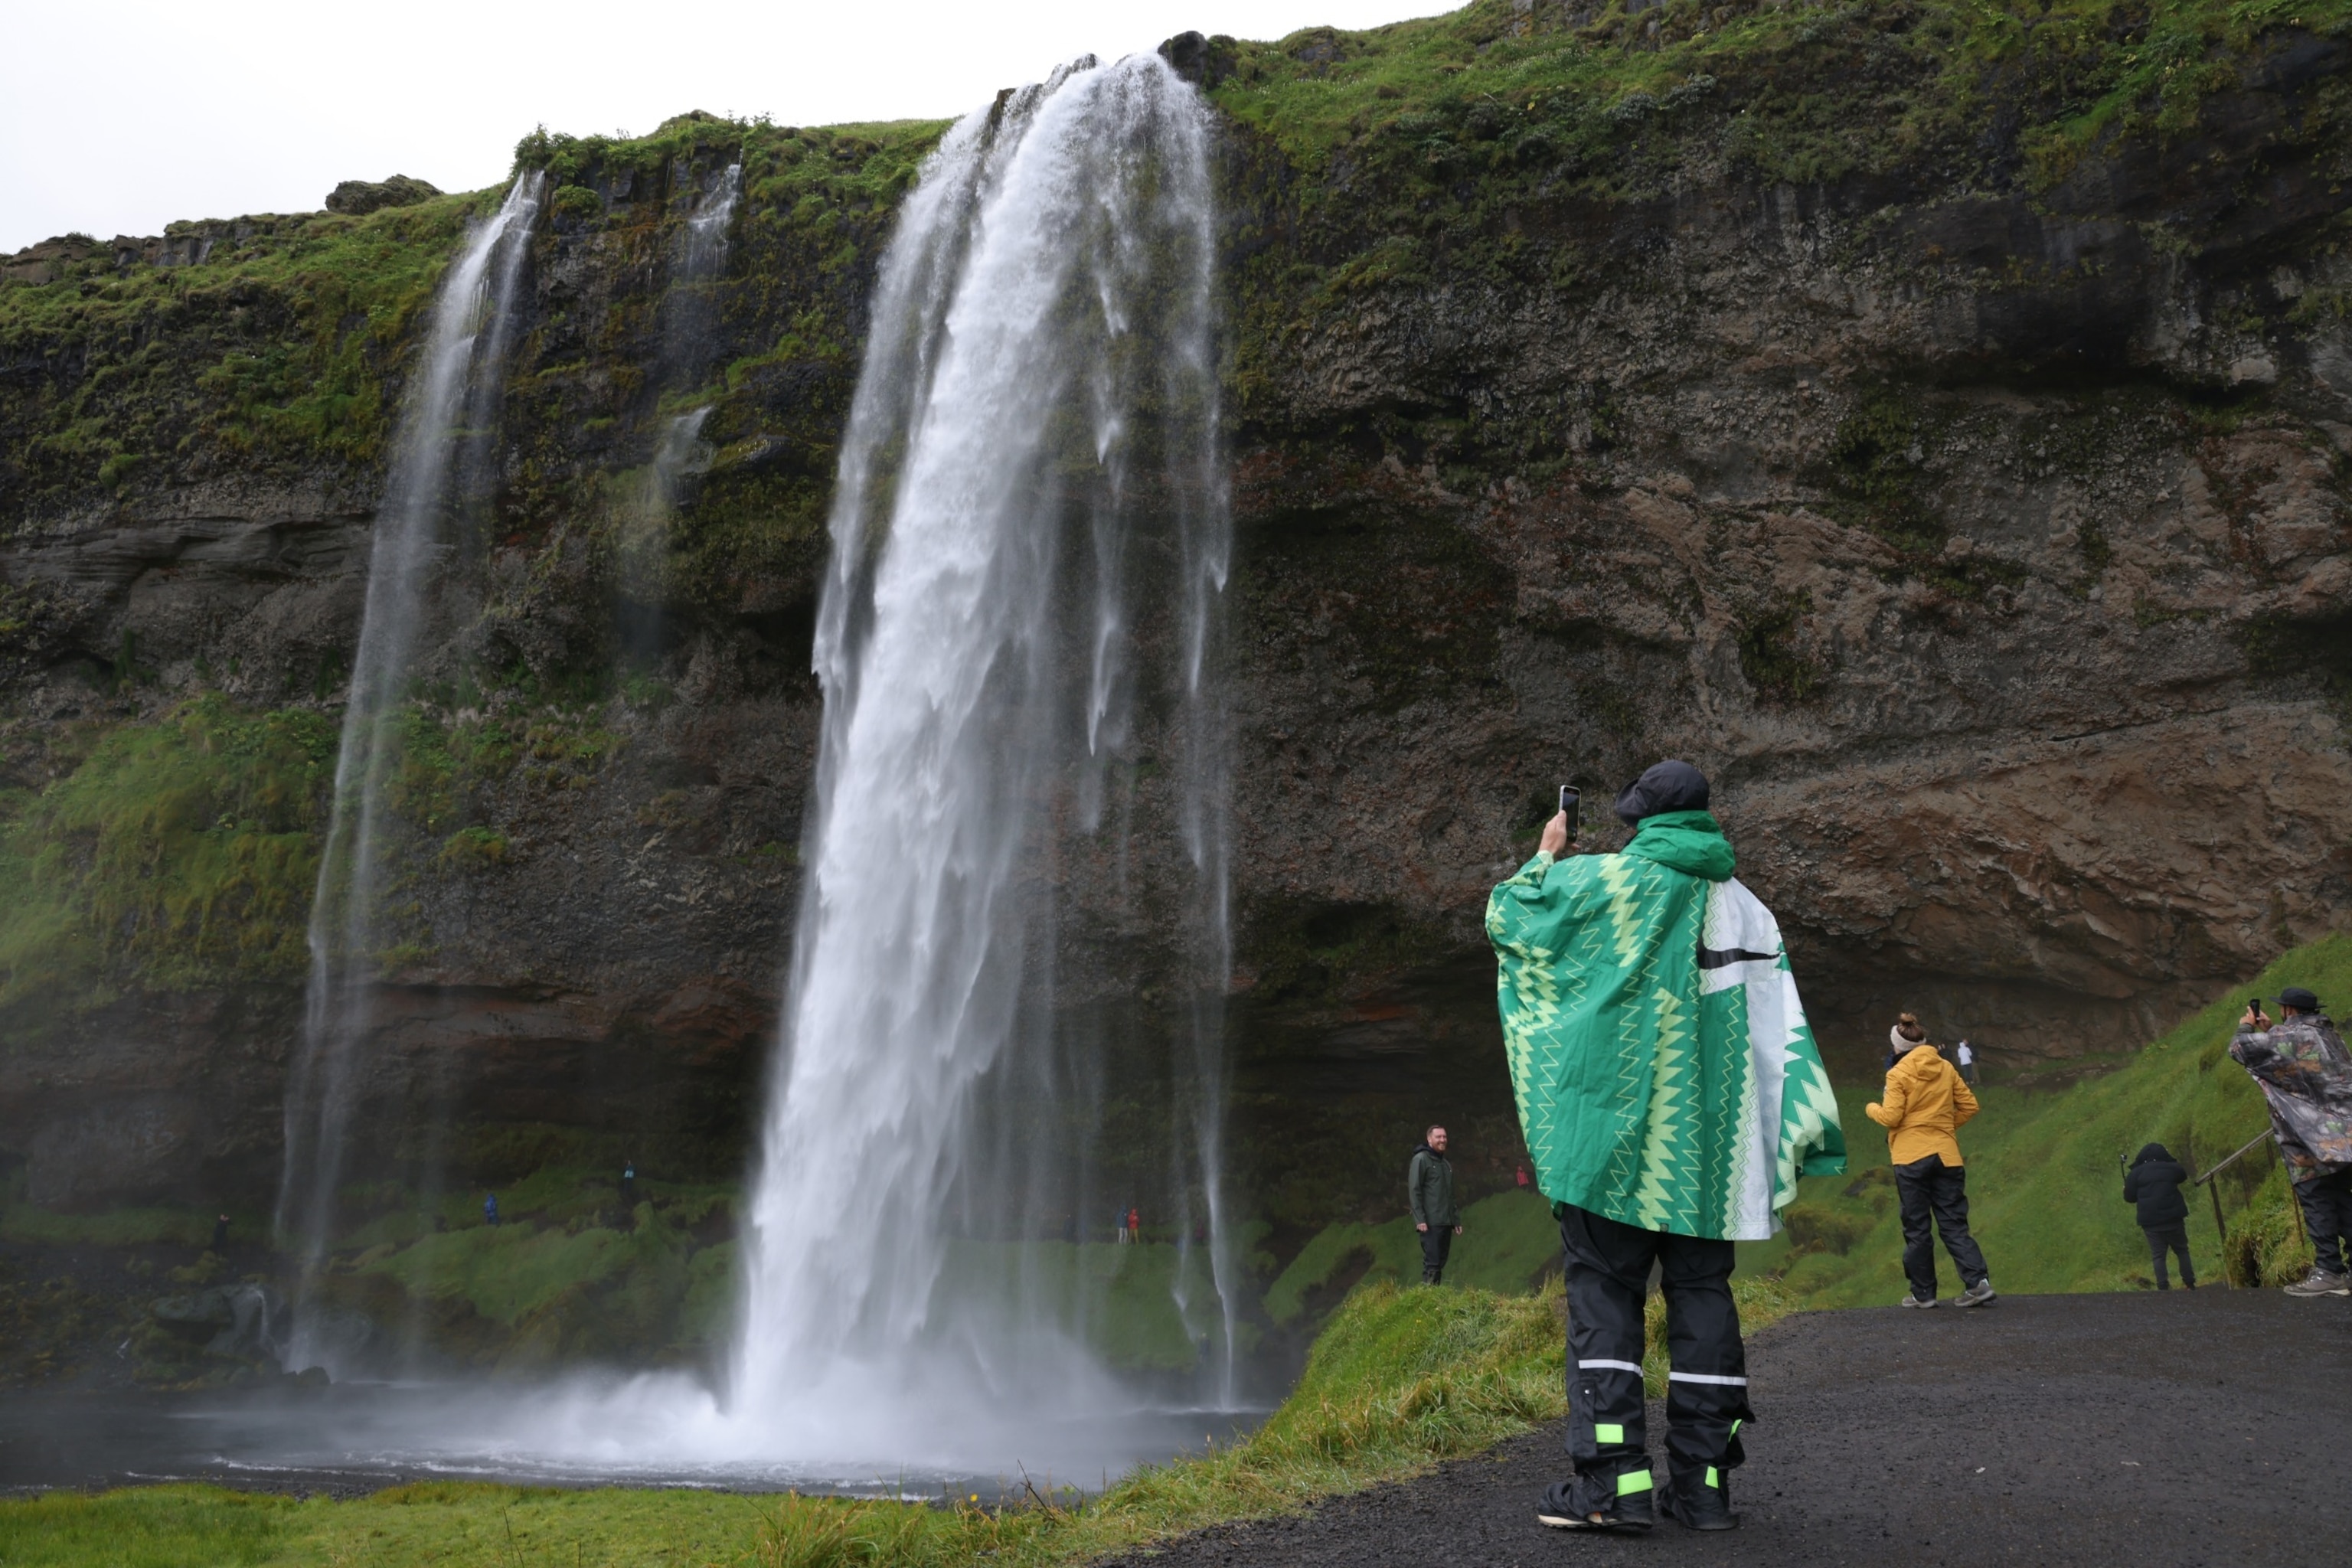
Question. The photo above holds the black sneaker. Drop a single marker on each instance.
(1599, 1502)
(1701, 1501)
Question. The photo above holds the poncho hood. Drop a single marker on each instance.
(1690, 841)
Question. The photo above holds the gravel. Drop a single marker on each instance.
(2205, 1426)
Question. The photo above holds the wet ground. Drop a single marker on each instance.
(2184, 1427)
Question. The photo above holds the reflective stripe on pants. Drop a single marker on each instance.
(1607, 1268)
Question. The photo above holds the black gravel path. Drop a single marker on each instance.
(2207, 1426)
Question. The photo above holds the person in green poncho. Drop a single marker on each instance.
(1671, 1095)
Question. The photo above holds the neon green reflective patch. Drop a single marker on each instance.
(1608, 1432)
(1632, 1481)
(1736, 1426)
(1713, 1477)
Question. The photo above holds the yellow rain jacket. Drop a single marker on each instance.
(1925, 1103)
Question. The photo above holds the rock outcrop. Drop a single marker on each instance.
(1986, 533)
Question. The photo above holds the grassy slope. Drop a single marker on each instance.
(1507, 1241)
(2045, 1195)
(1400, 1380)
(1820, 91)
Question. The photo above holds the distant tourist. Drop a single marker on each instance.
(1924, 1104)
(2154, 1183)
(1638, 992)
(1429, 1189)
(1526, 1181)
(629, 1183)
(1964, 1056)
(491, 1209)
(1907, 1035)
(1134, 1225)
(1119, 1228)
(2306, 1076)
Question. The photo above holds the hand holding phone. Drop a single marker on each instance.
(1560, 831)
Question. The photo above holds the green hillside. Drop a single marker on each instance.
(2046, 1192)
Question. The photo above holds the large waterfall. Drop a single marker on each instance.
(1020, 781)
(454, 396)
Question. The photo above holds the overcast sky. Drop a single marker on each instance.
(117, 118)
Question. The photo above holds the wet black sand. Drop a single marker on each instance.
(2198, 1427)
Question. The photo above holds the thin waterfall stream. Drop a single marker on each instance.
(454, 395)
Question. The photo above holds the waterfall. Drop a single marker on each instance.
(689, 327)
(452, 399)
(691, 324)
(1019, 795)
(706, 227)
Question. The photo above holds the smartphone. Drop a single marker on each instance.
(1571, 801)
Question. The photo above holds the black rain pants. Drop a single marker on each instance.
(1608, 1266)
(2173, 1237)
(1436, 1242)
(1935, 1197)
(2326, 1202)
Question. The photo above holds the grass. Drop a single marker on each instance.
(1400, 1380)
(272, 351)
(1798, 92)
(1507, 1241)
(2045, 1193)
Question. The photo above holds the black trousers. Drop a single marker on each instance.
(2326, 1202)
(1935, 1197)
(2173, 1237)
(1608, 1266)
(1435, 1243)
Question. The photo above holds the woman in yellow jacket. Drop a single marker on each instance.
(1925, 1101)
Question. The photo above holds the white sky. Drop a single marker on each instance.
(119, 118)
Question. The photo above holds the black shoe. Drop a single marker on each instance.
(1701, 1501)
(1593, 1502)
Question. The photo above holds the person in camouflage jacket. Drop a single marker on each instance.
(2307, 1077)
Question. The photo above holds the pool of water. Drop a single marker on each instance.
(355, 1438)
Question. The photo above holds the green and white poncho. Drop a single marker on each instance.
(1666, 1075)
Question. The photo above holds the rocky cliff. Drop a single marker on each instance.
(1935, 421)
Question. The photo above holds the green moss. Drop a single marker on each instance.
(1794, 93)
(274, 353)
(178, 853)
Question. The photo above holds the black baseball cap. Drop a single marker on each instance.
(2296, 996)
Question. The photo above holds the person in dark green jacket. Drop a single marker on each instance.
(1429, 1185)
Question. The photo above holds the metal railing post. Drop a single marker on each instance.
(2213, 1191)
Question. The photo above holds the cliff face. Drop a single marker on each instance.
(1957, 472)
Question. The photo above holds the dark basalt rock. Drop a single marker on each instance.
(1986, 548)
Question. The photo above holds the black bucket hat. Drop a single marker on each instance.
(1666, 786)
(2297, 997)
